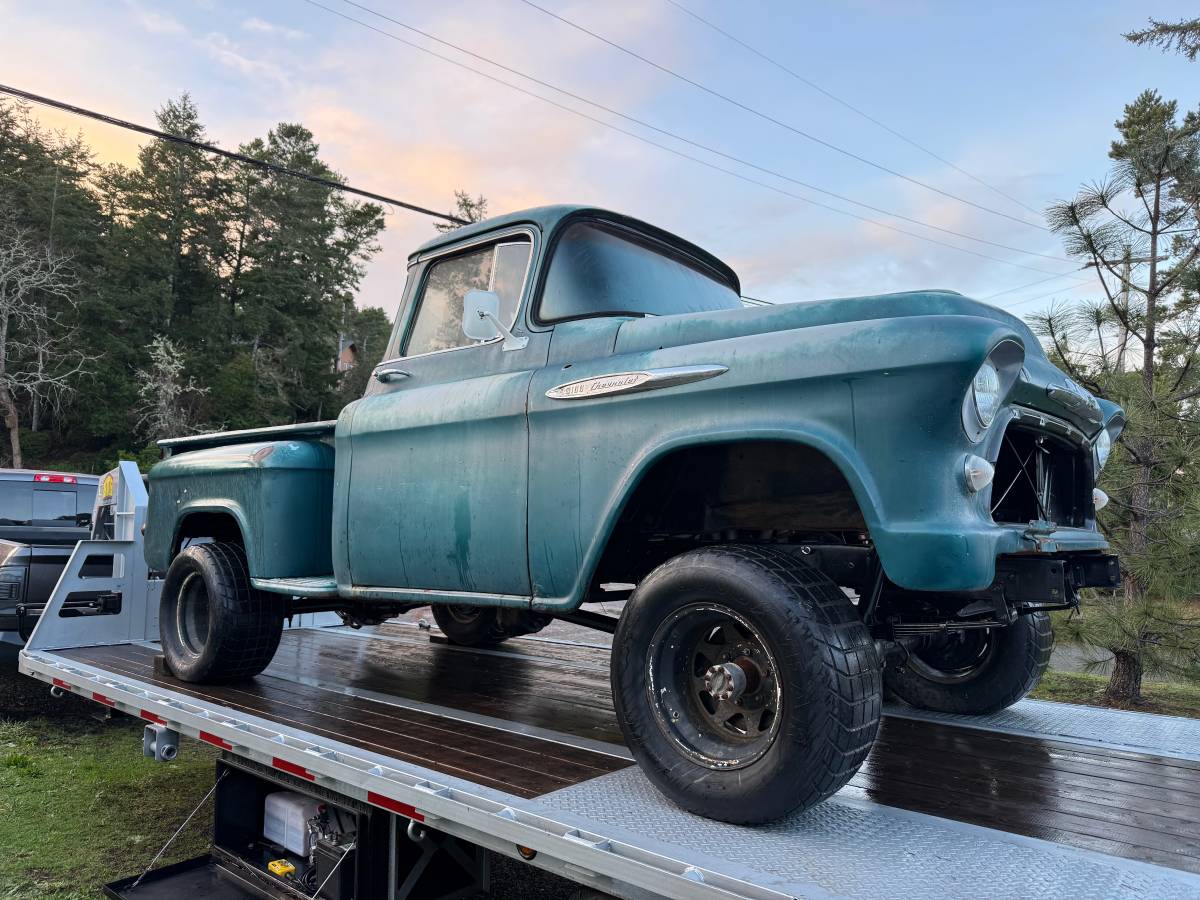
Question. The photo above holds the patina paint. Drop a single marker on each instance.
(280, 493)
(465, 482)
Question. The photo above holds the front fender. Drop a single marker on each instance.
(827, 441)
(881, 399)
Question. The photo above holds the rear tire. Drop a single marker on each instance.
(485, 626)
(745, 684)
(976, 672)
(214, 626)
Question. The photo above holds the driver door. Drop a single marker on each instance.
(439, 448)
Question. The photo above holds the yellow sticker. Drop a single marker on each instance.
(107, 487)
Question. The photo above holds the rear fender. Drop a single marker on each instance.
(227, 508)
(280, 494)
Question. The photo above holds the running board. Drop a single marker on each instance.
(317, 586)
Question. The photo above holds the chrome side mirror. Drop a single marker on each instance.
(481, 320)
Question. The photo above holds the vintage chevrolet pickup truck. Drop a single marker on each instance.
(801, 503)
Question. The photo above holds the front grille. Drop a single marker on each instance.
(1041, 477)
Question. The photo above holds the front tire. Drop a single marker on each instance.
(976, 672)
(745, 684)
(214, 626)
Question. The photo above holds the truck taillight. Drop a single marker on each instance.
(49, 478)
(12, 583)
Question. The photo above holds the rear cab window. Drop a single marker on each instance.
(25, 503)
(54, 507)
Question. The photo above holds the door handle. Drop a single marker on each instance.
(385, 376)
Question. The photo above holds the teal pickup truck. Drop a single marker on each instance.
(800, 504)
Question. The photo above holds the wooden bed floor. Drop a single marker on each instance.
(1133, 805)
(509, 761)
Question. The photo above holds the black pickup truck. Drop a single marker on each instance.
(42, 516)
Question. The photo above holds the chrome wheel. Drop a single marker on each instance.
(192, 615)
(714, 686)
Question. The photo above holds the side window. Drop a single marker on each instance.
(501, 267)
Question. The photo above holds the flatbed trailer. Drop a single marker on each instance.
(446, 750)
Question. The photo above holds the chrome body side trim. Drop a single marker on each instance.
(633, 382)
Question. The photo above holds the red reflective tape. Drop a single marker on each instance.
(58, 682)
(215, 741)
(151, 717)
(100, 698)
(292, 769)
(394, 805)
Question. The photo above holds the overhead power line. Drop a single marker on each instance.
(672, 150)
(767, 117)
(1021, 287)
(848, 105)
(1062, 290)
(282, 170)
(228, 154)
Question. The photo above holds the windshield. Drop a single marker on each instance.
(596, 271)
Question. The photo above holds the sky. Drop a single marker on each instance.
(1020, 95)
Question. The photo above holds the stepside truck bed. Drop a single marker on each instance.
(517, 747)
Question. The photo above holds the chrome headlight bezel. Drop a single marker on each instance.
(1102, 448)
(989, 386)
(1104, 440)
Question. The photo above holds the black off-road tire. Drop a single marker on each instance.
(826, 667)
(469, 626)
(485, 626)
(229, 633)
(1012, 667)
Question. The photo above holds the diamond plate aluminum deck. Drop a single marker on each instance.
(853, 848)
(1120, 729)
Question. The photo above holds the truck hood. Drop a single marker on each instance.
(1042, 386)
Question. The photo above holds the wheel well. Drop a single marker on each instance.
(779, 492)
(214, 526)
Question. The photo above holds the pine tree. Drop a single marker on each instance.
(1140, 229)
(467, 208)
(1182, 36)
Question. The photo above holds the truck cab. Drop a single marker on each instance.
(575, 405)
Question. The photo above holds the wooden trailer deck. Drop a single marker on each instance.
(535, 716)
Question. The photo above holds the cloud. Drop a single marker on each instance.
(261, 26)
(228, 54)
(153, 21)
(394, 120)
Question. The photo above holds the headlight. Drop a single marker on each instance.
(989, 386)
(1102, 448)
(986, 391)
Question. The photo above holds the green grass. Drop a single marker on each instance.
(1157, 696)
(80, 806)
